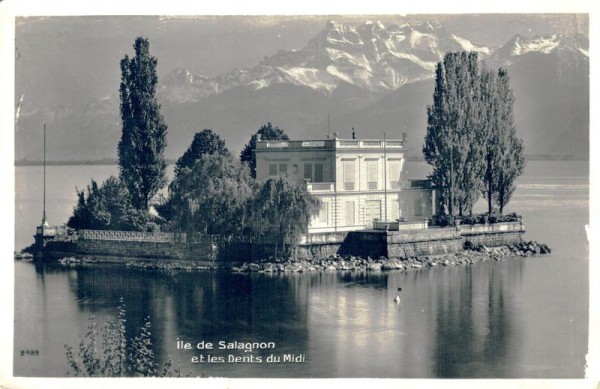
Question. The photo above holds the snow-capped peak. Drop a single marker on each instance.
(545, 44)
(180, 76)
(519, 46)
(369, 55)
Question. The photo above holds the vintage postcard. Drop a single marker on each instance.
(375, 195)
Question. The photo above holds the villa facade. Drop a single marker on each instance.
(360, 182)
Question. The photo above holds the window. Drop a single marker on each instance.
(272, 169)
(277, 169)
(372, 176)
(348, 175)
(322, 218)
(350, 213)
(313, 172)
(308, 171)
(395, 174)
(318, 172)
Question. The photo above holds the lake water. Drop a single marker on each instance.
(519, 318)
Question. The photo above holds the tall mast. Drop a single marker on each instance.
(385, 178)
(44, 214)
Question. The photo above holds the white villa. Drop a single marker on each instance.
(360, 182)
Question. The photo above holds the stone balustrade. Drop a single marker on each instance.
(133, 236)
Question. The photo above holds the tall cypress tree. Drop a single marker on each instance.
(142, 163)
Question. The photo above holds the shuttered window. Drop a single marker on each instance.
(372, 176)
(323, 213)
(350, 213)
(395, 174)
(349, 176)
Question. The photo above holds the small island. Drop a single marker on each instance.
(339, 203)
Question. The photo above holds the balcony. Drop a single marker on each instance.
(320, 187)
(368, 144)
(329, 144)
(293, 144)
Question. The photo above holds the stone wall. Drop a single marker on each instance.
(374, 244)
(202, 248)
(392, 244)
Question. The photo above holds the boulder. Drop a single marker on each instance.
(374, 266)
(544, 249)
(253, 267)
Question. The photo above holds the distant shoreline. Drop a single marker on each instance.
(75, 163)
(411, 158)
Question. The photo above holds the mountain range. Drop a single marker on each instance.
(369, 76)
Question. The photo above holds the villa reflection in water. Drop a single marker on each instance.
(452, 322)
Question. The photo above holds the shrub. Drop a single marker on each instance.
(107, 207)
(117, 356)
(468, 245)
(447, 220)
(442, 220)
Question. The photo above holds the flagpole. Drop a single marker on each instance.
(44, 221)
(385, 178)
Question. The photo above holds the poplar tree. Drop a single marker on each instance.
(142, 163)
(510, 148)
(489, 97)
(472, 138)
(452, 142)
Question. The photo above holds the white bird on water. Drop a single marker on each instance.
(397, 298)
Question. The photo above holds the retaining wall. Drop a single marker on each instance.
(206, 248)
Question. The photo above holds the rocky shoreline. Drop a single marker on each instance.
(469, 256)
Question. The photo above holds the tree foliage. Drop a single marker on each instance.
(266, 132)
(143, 138)
(107, 207)
(510, 148)
(211, 196)
(282, 211)
(204, 142)
(451, 145)
(490, 100)
(471, 140)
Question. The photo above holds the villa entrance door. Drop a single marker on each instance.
(372, 211)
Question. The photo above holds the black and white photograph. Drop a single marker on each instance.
(345, 195)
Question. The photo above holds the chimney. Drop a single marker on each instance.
(353, 133)
(404, 137)
(335, 135)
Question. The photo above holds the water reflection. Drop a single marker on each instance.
(475, 324)
(451, 322)
(199, 306)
